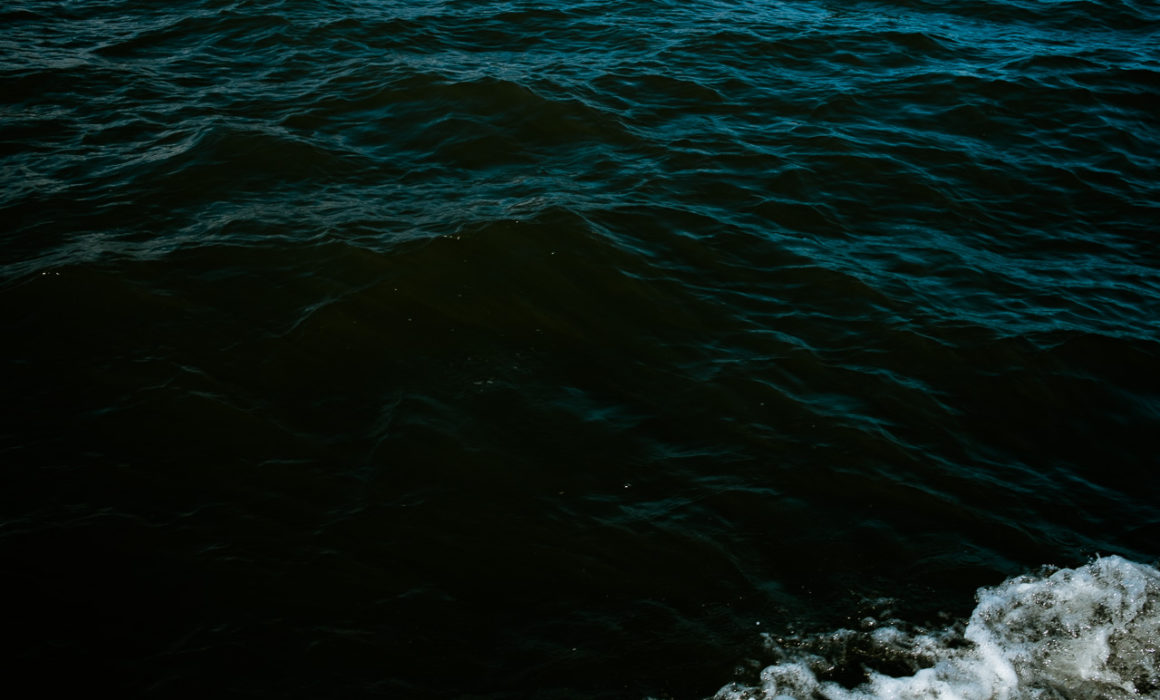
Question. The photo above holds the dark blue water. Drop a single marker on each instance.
(441, 349)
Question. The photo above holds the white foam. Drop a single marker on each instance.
(1089, 632)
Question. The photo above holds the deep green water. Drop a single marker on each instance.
(559, 350)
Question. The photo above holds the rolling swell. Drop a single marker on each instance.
(446, 349)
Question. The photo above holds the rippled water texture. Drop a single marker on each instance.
(503, 349)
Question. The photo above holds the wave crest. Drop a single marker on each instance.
(1087, 632)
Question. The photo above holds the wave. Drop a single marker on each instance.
(1088, 632)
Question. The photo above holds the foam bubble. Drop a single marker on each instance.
(1089, 632)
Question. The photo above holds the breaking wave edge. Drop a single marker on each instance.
(1088, 632)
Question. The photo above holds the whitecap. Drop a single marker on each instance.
(1088, 632)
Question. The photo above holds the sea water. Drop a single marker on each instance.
(448, 349)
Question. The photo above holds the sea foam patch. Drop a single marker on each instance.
(1089, 632)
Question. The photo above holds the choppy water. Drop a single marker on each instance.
(581, 349)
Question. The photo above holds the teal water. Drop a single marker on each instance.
(602, 350)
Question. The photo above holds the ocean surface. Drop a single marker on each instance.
(640, 349)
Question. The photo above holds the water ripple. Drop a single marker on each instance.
(481, 347)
